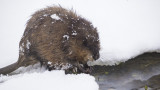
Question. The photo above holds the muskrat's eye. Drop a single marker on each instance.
(84, 42)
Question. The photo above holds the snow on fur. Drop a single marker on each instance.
(54, 16)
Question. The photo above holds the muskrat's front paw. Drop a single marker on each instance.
(89, 70)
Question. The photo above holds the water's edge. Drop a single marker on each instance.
(138, 73)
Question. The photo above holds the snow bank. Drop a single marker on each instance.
(54, 80)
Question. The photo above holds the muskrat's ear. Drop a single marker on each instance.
(85, 43)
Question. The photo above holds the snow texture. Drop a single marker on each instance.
(54, 16)
(54, 80)
(37, 78)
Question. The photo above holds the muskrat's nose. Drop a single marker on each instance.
(96, 56)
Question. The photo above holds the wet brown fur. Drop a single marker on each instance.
(69, 40)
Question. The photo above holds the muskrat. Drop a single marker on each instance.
(59, 39)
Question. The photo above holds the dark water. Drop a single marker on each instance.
(139, 73)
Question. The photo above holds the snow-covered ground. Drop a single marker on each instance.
(37, 78)
(127, 28)
(54, 80)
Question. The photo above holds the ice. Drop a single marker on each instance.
(54, 16)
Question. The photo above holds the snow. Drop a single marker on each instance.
(44, 25)
(49, 62)
(66, 36)
(30, 69)
(66, 66)
(28, 44)
(126, 28)
(60, 66)
(54, 80)
(21, 49)
(37, 78)
(74, 33)
(54, 16)
(45, 15)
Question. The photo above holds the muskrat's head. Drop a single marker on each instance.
(81, 41)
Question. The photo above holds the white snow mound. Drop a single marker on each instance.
(54, 80)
